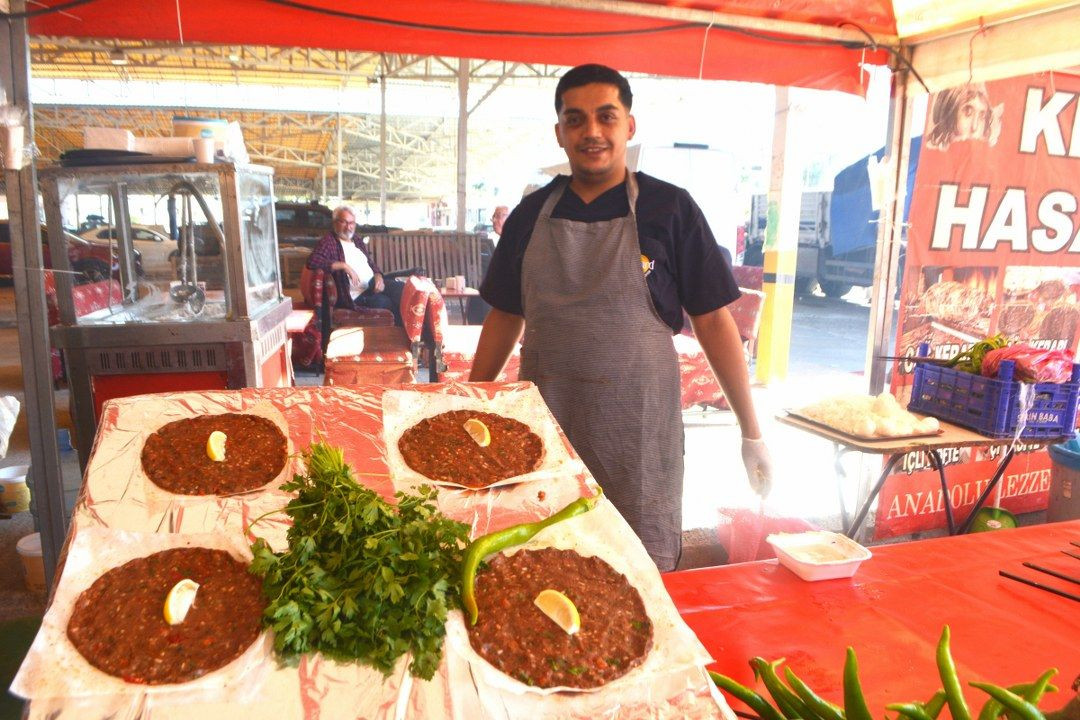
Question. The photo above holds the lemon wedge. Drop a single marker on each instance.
(560, 609)
(478, 431)
(215, 446)
(179, 601)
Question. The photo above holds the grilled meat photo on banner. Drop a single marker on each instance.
(957, 303)
(993, 247)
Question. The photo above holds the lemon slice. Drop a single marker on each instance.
(478, 431)
(560, 609)
(215, 446)
(179, 601)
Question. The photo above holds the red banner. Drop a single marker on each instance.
(993, 247)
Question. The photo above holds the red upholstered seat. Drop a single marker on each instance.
(379, 354)
(309, 341)
(298, 320)
(747, 314)
(369, 355)
(459, 350)
(87, 298)
(750, 277)
(696, 379)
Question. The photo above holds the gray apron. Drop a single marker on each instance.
(605, 364)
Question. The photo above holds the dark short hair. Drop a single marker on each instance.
(589, 74)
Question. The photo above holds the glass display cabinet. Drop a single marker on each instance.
(166, 278)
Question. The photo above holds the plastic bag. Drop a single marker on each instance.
(742, 532)
(1032, 364)
(9, 415)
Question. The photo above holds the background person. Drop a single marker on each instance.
(359, 281)
(498, 218)
(595, 270)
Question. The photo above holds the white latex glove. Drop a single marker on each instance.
(755, 457)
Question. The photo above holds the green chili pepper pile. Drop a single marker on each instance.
(971, 360)
(797, 700)
(495, 542)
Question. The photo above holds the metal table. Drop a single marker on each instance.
(952, 436)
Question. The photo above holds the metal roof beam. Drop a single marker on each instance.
(80, 57)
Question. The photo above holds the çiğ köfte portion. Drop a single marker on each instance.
(517, 638)
(175, 456)
(440, 448)
(118, 623)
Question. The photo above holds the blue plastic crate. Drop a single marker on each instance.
(990, 406)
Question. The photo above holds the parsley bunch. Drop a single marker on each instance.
(363, 579)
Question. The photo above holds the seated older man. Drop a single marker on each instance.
(359, 281)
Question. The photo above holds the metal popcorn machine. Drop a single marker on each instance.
(193, 300)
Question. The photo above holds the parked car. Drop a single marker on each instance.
(91, 222)
(152, 244)
(302, 224)
(92, 262)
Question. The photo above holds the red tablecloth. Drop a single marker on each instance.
(892, 613)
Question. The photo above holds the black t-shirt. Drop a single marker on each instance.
(689, 270)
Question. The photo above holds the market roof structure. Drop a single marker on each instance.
(302, 147)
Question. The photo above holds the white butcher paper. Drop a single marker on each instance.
(402, 409)
(55, 669)
(122, 496)
(670, 682)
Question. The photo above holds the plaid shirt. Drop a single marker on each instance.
(328, 252)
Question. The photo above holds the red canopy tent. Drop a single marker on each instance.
(815, 44)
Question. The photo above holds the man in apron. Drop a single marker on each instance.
(596, 269)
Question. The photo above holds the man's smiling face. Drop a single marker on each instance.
(593, 129)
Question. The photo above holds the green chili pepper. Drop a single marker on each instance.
(954, 694)
(854, 701)
(934, 705)
(788, 702)
(971, 360)
(821, 707)
(1032, 692)
(915, 711)
(1038, 688)
(495, 542)
(1011, 701)
(754, 701)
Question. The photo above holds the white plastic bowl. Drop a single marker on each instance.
(818, 554)
(14, 473)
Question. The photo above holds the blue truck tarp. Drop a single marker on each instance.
(852, 224)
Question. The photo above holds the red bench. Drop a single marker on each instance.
(697, 382)
(381, 354)
(305, 323)
(87, 298)
(459, 351)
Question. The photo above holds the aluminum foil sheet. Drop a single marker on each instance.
(55, 669)
(115, 499)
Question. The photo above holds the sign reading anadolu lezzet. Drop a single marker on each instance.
(993, 247)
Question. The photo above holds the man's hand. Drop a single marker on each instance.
(354, 279)
(377, 284)
(758, 464)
